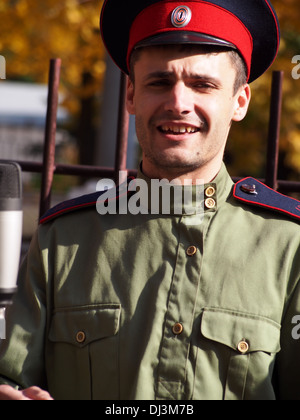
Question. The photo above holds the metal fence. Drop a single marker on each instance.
(48, 167)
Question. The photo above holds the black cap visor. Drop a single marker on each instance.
(184, 37)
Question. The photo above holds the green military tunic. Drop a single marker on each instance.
(156, 306)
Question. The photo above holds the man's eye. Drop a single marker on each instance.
(204, 85)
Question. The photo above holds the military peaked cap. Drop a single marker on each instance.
(250, 26)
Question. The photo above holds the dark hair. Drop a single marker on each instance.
(236, 59)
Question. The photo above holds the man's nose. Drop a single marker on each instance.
(180, 99)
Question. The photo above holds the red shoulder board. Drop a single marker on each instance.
(254, 192)
(83, 202)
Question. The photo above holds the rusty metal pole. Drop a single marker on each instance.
(274, 130)
(50, 134)
(122, 132)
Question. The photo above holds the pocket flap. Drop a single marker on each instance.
(82, 325)
(231, 328)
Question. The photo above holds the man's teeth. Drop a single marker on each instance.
(178, 129)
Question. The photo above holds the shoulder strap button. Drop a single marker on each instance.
(249, 189)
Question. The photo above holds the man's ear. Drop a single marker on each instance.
(243, 98)
(130, 97)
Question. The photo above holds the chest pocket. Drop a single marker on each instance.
(249, 344)
(83, 350)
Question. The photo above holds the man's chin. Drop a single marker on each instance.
(176, 164)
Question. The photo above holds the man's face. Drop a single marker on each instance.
(184, 105)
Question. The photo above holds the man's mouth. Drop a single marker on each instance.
(178, 129)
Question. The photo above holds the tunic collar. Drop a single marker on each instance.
(166, 198)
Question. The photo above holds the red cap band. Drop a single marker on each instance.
(207, 18)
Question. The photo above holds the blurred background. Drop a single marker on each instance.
(33, 32)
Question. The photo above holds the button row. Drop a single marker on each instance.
(177, 329)
(243, 347)
(210, 202)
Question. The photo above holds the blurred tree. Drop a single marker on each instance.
(33, 32)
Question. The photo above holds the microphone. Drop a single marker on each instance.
(11, 221)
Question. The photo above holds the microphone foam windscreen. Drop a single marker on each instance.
(10, 180)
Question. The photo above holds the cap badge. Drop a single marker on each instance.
(181, 16)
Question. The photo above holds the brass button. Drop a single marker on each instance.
(177, 328)
(210, 203)
(191, 251)
(210, 191)
(243, 347)
(80, 337)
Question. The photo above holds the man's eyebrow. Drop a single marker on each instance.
(158, 75)
(193, 76)
(204, 78)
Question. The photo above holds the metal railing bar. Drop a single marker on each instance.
(75, 170)
(274, 130)
(122, 131)
(50, 134)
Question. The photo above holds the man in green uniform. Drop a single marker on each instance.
(198, 302)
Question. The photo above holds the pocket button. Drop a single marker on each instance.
(243, 347)
(80, 337)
